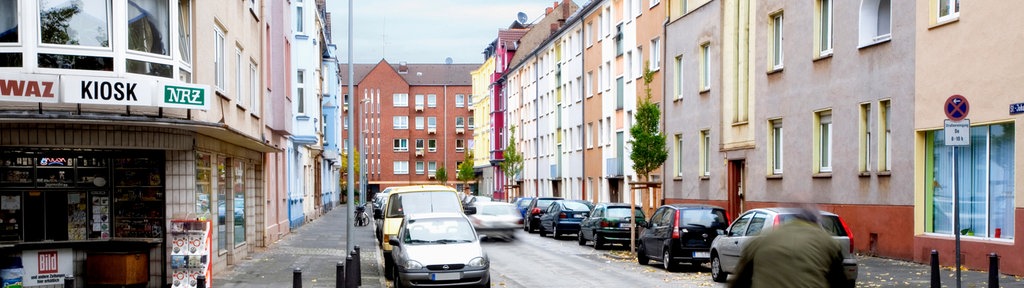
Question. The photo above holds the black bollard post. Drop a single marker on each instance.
(358, 267)
(339, 275)
(350, 273)
(69, 282)
(936, 283)
(297, 278)
(201, 281)
(993, 270)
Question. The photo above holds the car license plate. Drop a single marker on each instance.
(445, 276)
(623, 225)
(701, 254)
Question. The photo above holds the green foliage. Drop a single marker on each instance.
(465, 172)
(648, 144)
(513, 163)
(55, 25)
(441, 176)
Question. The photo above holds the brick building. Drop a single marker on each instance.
(415, 119)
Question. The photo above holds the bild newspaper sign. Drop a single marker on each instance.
(47, 267)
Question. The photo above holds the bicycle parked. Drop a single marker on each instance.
(362, 219)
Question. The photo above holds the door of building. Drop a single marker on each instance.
(736, 187)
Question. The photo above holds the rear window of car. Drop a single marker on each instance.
(576, 206)
(497, 210)
(830, 223)
(543, 203)
(522, 203)
(423, 202)
(622, 212)
(707, 218)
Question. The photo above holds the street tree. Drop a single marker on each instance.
(513, 162)
(648, 144)
(441, 176)
(465, 172)
(343, 181)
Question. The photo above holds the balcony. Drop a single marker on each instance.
(469, 107)
(431, 130)
(613, 168)
(460, 130)
(419, 108)
(419, 152)
(430, 175)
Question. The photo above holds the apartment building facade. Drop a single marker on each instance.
(97, 127)
(480, 106)
(306, 142)
(415, 121)
(277, 120)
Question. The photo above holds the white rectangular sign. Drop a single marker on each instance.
(47, 267)
(107, 91)
(29, 88)
(183, 95)
(958, 133)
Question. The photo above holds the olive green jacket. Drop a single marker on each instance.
(796, 254)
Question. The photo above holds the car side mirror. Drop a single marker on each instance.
(394, 242)
(469, 210)
(377, 214)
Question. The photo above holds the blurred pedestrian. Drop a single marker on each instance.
(798, 253)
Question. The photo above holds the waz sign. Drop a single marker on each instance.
(29, 88)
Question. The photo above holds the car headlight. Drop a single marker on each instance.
(478, 262)
(413, 265)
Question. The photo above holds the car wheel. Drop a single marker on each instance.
(526, 225)
(397, 280)
(554, 231)
(598, 243)
(579, 239)
(666, 260)
(641, 255)
(716, 269)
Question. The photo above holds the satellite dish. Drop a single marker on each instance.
(521, 17)
(448, 60)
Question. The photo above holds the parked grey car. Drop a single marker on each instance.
(437, 250)
(725, 250)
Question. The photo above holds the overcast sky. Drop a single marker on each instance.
(418, 31)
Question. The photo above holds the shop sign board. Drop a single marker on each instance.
(47, 267)
(29, 88)
(107, 91)
(180, 95)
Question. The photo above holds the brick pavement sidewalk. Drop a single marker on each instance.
(316, 248)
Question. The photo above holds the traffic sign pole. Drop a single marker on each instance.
(957, 133)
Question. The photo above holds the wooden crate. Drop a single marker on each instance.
(117, 268)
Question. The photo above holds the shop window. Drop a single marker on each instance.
(204, 163)
(223, 190)
(985, 178)
(238, 208)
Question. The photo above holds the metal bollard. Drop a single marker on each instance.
(936, 283)
(69, 282)
(350, 273)
(358, 267)
(993, 270)
(201, 281)
(339, 275)
(297, 278)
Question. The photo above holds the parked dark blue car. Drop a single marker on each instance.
(563, 217)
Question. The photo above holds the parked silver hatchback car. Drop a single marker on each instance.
(725, 250)
(438, 249)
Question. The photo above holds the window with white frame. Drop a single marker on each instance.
(948, 10)
(590, 135)
(419, 144)
(300, 21)
(629, 65)
(864, 161)
(589, 83)
(875, 21)
(419, 100)
(431, 145)
(460, 122)
(460, 145)
(185, 40)
(400, 122)
(638, 68)
(460, 100)
(419, 123)
(300, 92)
(823, 14)
(885, 151)
(420, 167)
(677, 82)
(705, 153)
(776, 38)
(254, 89)
(824, 141)
(589, 35)
(401, 145)
(470, 124)
(705, 67)
(218, 59)
(401, 167)
(238, 77)
(431, 122)
(655, 57)
(400, 100)
(431, 167)
(776, 145)
(431, 100)
(679, 155)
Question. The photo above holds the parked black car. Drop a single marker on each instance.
(563, 217)
(532, 220)
(609, 223)
(681, 233)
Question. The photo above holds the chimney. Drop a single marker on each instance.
(403, 67)
(554, 27)
(547, 11)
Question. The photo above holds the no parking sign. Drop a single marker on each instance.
(957, 129)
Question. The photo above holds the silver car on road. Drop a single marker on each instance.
(439, 250)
